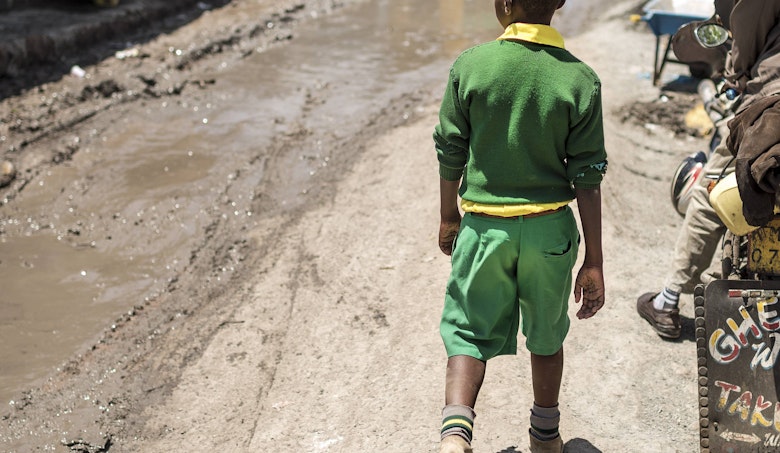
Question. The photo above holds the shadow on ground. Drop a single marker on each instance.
(575, 445)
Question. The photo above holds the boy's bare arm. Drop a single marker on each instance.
(589, 285)
(450, 215)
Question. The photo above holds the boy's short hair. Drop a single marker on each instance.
(539, 7)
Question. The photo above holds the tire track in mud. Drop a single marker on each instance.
(54, 109)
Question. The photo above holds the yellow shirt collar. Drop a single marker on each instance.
(536, 33)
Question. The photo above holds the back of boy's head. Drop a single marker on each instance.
(538, 8)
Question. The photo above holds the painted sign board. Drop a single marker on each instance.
(738, 342)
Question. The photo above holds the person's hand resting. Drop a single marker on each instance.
(589, 290)
(448, 230)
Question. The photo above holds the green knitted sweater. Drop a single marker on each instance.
(520, 122)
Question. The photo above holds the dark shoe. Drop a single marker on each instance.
(666, 322)
(545, 446)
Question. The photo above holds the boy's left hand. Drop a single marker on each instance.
(589, 288)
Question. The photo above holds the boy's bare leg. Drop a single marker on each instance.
(546, 372)
(464, 379)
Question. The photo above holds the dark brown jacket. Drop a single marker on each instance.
(754, 139)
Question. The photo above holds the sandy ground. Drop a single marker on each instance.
(325, 337)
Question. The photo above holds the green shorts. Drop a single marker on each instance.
(505, 270)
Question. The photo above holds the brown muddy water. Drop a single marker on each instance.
(176, 166)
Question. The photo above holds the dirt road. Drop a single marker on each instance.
(309, 322)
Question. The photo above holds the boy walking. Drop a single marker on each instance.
(520, 136)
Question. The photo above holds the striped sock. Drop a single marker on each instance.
(457, 420)
(544, 422)
(666, 299)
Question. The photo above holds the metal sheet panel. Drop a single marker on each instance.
(738, 343)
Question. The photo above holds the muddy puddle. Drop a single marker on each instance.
(91, 239)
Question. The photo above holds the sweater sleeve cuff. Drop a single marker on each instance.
(587, 185)
(450, 174)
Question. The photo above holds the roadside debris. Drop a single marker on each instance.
(7, 173)
(77, 71)
(83, 446)
(127, 53)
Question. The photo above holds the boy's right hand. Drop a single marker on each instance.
(448, 230)
(589, 290)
